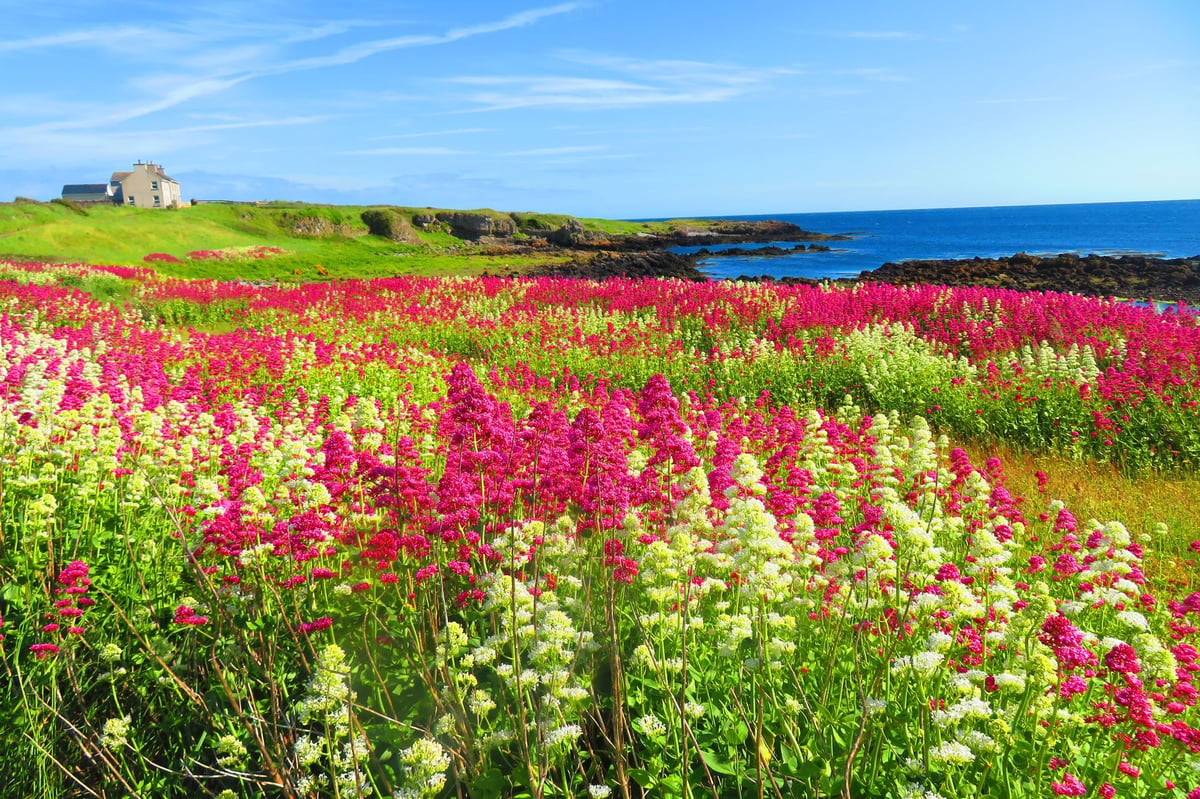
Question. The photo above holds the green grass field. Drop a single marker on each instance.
(321, 241)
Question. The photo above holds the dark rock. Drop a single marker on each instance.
(389, 223)
(650, 264)
(472, 226)
(1128, 276)
(753, 252)
(571, 234)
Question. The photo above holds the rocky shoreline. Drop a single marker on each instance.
(598, 257)
(646, 255)
(1137, 277)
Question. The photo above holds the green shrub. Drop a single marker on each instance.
(71, 204)
(389, 224)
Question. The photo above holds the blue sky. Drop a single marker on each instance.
(615, 108)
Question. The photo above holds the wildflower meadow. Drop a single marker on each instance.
(489, 537)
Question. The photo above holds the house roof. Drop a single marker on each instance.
(155, 169)
(163, 174)
(89, 192)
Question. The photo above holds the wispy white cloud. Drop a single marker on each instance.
(253, 123)
(878, 74)
(1018, 100)
(117, 143)
(546, 92)
(428, 134)
(196, 34)
(559, 150)
(105, 37)
(640, 131)
(357, 52)
(880, 35)
(407, 151)
(176, 90)
(621, 82)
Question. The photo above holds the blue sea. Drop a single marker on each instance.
(1169, 229)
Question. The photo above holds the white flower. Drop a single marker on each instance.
(565, 733)
(115, 732)
(598, 791)
(1012, 683)
(951, 752)
(978, 741)
(939, 641)
(652, 725)
(922, 663)
(307, 751)
(1134, 620)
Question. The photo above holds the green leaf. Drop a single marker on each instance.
(491, 783)
(644, 777)
(715, 763)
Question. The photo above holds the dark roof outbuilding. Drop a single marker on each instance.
(87, 192)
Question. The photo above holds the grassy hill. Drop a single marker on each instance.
(318, 240)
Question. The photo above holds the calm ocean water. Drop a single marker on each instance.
(1169, 229)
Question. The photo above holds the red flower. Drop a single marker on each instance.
(185, 615)
(1122, 659)
(306, 627)
(43, 651)
(1070, 786)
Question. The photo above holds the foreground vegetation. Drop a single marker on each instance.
(542, 538)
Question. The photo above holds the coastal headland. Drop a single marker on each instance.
(282, 241)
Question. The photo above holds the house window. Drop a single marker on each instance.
(157, 201)
(154, 185)
(131, 200)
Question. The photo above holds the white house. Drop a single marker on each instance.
(146, 186)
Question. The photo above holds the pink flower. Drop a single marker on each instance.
(43, 651)
(1064, 522)
(1107, 791)
(1064, 638)
(306, 627)
(947, 571)
(1072, 685)
(185, 615)
(1066, 564)
(1070, 786)
(1122, 659)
